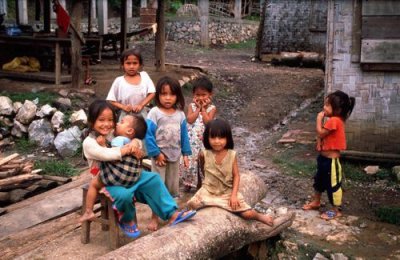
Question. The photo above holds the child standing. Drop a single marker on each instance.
(199, 113)
(135, 89)
(167, 135)
(331, 140)
(221, 183)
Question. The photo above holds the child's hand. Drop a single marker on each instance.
(137, 152)
(321, 115)
(101, 140)
(161, 160)
(127, 108)
(186, 161)
(137, 108)
(197, 102)
(319, 144)
(233, 202)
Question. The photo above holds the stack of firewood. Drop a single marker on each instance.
(18, 179)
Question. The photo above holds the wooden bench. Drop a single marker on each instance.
(107, 217)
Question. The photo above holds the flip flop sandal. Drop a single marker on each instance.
(181, 217)
(310, 206)
(329, 215)
(127, 229)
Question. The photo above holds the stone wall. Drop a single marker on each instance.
(294, 25)
(221, 31)
(374, 125)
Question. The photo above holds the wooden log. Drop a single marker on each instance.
(19, 179)
(211, 234)
(9, 166)
(59, 179)
(4, 197)
(9, 173)
(8, 158)
(21, 185)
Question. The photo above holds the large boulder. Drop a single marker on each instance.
(79, 118)
(68, 141)
(27, 112)
(57, 121)
(46, 111)
(6, 106)
(40, 132)
(18, 129)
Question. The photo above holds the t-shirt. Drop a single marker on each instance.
(129, 94)
(167, 134)
(336, 139)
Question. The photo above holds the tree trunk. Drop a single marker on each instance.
(211, 234)
(160, 37)
(260, 32)
(76, 58)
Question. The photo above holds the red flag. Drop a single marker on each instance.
(63, 19)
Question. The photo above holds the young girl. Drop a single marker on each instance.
(167, 136)
(199, 113)
(221, 183)
(331, 140)
(134, 90)
(148, 189)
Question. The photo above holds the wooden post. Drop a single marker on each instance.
(160, 37)
(102, 16)
(238, 9)
(260, 31)
(76, 58)
(22, 11)
(143, 3)
(204, 11)
(3, 7)
(93, 6)
(129, 8)
(46, 16)
(38, 10)
(123, 25)
(89, 17)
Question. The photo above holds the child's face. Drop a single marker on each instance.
(217, 143)
(131, 65)
(125, 127)
(104, 123)
(167, 98)
(327, 108)
(201, 95)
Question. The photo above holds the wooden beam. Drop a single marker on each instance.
(356, 32)
(160, 37)
(238, 9)
(379, 7)
(102, 11)
(204, 6)
(380, 27)
(380, 51)
(46, 16)
(22, 17)
(123, 25)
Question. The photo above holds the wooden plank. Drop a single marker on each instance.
(380, 67)
(379, 7)
(41, 211)
(44, 76)
(381, 27)
(380, 51)
(356, 35)
(19, 179)
(8, 158)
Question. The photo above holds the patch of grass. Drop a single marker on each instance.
(389, 214)
(252, 18)
(295, 167)
(249, 44)
(56, 168)
(44, 97)
(24, 145)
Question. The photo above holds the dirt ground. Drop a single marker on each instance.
(256, 98)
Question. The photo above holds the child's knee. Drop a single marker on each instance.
(248, 214)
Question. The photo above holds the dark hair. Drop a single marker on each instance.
(218, 128)
(342, 105)
(140, 126)
(175, 89)
(135, 52)
(96, 108)
(203, 83)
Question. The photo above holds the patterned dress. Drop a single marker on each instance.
(190, 176)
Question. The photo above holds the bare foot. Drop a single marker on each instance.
(153, 225)
(266, 219)
(87, 216)
(312, 205)
(182, 216)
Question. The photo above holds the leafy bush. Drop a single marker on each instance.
(389, 214)
(56, 167)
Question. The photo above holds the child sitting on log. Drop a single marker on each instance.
(221, 174)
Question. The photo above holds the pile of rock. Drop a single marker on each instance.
(18, 180)
(47, 125)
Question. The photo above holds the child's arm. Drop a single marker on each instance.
(137, 108)
(126, 108)
(185, 143)
(233, 202)
(207, 116)
(101, 140)
(94, 151)
(321, 131)
(150, 139)
(192, 115)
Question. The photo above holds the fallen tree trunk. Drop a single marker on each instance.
(18, 179)
(211, 234)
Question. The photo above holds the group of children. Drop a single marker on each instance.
(195, 148)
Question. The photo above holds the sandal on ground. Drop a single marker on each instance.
(330, 214)
(130, 231)
(311, 206)
(182, 216)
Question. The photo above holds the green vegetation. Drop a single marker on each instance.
(44, 97)
(249, 44)
(187, 89)
(389, 214)
(24, 145)
(56, 167)
(252, 18)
